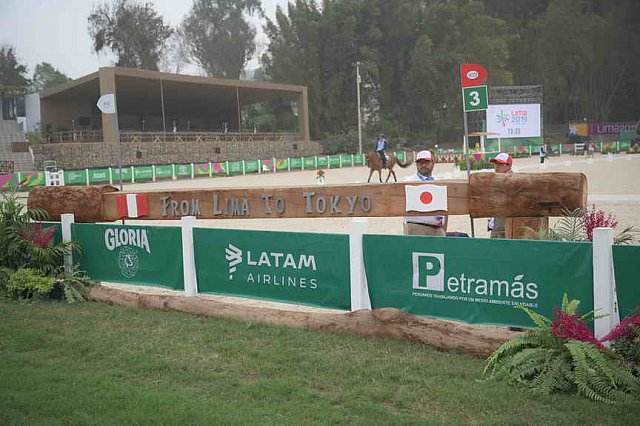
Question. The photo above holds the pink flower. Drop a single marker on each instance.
(593, 218)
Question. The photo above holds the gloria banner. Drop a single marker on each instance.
(144, 255)
(626, 263)
(513, 121)
(303, 268)
(476, 280)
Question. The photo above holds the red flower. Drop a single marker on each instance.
(36, 234)
(622, 330)
(573, 327)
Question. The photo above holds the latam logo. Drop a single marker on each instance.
(235, 256)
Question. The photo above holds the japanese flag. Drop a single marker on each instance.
(132, 205)
(426, 198)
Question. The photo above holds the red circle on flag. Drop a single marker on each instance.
(426, 197)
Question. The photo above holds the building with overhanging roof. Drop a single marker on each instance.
(159, 108)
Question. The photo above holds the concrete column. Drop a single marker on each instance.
(110, 130)
(303, 114)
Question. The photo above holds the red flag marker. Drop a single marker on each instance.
(472, 75)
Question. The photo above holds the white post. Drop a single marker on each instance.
(110, 176)
(67, 219)
(133, 175)
(275, 165)
(605, 300)
(302, 166)
(173, 172)
(192, 171)
(187, 224)
(243, 168)
(288, 164)
(153, 173)
(210, 169)
(359, 291)
(86, 175)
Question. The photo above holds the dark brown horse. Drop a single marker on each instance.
(375, 163)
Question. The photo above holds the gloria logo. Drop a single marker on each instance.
(272, 268)
(123, 240)
(429, 273)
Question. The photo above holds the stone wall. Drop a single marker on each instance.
(90, 155)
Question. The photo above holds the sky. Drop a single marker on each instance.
(55, 31)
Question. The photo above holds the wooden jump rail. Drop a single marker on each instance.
(484, 195)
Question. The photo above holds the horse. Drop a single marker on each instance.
(375, 163)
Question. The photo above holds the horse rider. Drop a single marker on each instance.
(381, 147)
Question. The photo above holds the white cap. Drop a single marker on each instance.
(424, 155)
(502, 158)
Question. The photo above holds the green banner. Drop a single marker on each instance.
(75, 177)
(201, 169)
(334, 161)
(97, 176)
(323, 162)
(143, 173)
(476, 280)
(115, 171)
(308, 269)
(183, 170)
(309, 162)
(164, 172)
(358, 159)
(296, 163)
(251, 166)
(143, 255)
(346, 160)
(626, 263)
(235, 167)
(282, 164)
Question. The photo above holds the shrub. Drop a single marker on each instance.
(27, 284)
(563, 356)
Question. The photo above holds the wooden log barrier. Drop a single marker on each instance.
(484, 195)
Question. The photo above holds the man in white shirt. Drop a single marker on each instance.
(424, 225)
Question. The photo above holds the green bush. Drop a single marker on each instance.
(27, 284)
(476, 165)
(563, 355)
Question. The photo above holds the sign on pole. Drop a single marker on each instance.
(475, 98)
(107, 103)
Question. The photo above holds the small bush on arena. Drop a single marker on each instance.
(562, 355)
(28, 284)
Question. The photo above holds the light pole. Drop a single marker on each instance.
(359, 115)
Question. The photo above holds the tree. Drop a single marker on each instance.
(176, 55)
(134, 32)
(45, 75)
(12, 74)
(218, 36)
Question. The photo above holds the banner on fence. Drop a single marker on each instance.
(627, 270)
(301, 268)
(145, 255)
(476, 280)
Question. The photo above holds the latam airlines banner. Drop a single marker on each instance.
(513, 121)
(143, 255)
(476, 280)
(302, 268)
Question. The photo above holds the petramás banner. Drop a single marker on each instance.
(142, 255)
(301, 268)
(476, 280)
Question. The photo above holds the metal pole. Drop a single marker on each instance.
(466, 156)
(359, 115)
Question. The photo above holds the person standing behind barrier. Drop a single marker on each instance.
(502, 163)
(381, 147)
(424, 225)
(543, 154)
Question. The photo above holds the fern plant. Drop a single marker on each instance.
(562, 355)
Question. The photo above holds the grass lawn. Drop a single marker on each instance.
(98, 364)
